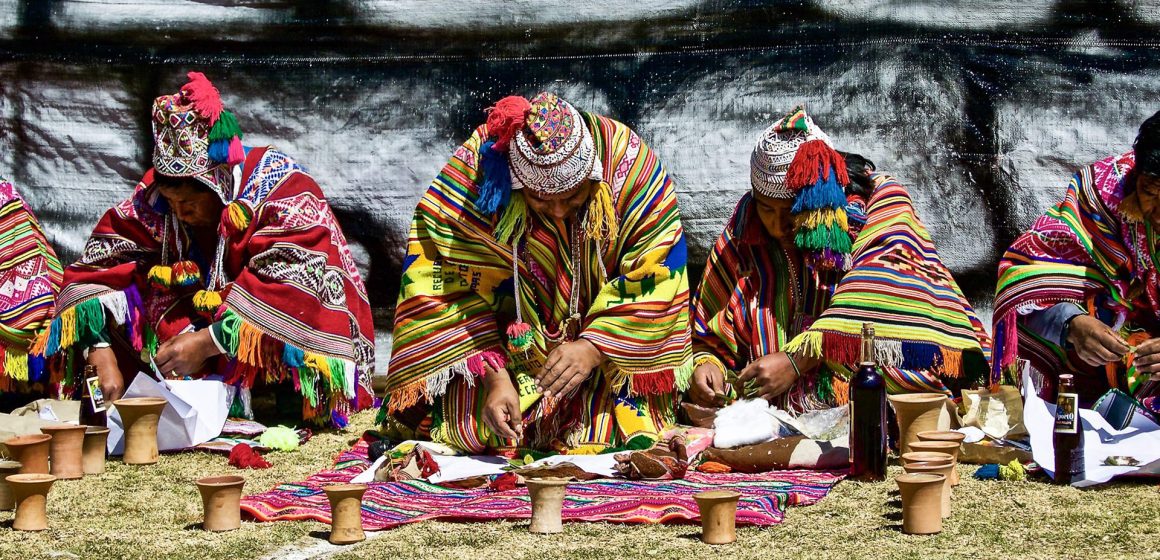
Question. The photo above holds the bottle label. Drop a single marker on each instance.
(96, 397)
(1067, 413)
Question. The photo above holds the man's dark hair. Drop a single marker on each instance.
(859, 169)
(1147, 146)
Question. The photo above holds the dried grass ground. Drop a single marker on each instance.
(153, 512)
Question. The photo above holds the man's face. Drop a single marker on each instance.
(775, 215)
(1148, 191)
(559, 206)
(193, 204)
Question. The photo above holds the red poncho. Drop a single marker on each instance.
(294, 305)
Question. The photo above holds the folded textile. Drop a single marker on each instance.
(764, 498)
(793, 452)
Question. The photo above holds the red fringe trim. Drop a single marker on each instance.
(656, 383)
(478, 363)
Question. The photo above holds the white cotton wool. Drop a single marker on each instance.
(746, 423)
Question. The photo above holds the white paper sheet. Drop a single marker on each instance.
(1141, 439)
(603, 465)
(452, 468)
(196, 413)
(368, 475)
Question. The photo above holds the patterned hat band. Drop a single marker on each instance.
(562, 163)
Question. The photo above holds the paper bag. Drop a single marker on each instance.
(999, 414)
(196, 413)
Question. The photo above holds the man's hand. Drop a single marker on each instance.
(1095, 343)
(108, 373)
(772, 373)
(567, 366)
(1148, 358)
(708, 385)
(501, 405)
(185, 353)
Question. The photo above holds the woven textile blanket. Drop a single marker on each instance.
(764, 498)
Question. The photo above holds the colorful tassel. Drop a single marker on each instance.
(506, 119)
(496, 189)
(219, 151)
(161, 276)
(601, 224)
(814, 162)
(237, 217)
(519, 336)
(822, 226)
(237, 154)
(292, 356)
(207, 302)
(226, 128)
(185, 274)
(204, 97)
(512, 220)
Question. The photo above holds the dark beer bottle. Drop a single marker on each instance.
(868, 415)
(92, 406)
(1068, 436)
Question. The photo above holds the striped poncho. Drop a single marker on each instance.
(458, 284)
(30, 278)
(1092, 249)
(293, 307)
(928, 337)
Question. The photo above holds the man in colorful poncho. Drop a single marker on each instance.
(808, 257)
(1080, 293)
(559, 229)
(225, 260)
(30, 278)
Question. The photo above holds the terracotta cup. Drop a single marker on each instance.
(96, 439)
(31, 494)
(946, 435)
(926, 457)
(718, 510)
(221, 498)
(31, 451)
(919, 412)
(140, 416)
(943, 469)
(66, 450)
(949, 447)
(7, 468)
(547, 496)
(345, 512)
(921, 502)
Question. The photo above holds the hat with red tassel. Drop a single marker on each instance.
(195, 136)
(795, 159)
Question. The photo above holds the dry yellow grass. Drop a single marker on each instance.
(153, 512)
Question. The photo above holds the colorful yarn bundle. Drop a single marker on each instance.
(818, 176)
(225, 136)
(519, 336)
(186, 273)
(179, 274)
(236, 217)
(207, 302)
(503, 123)
(160, 276)
(601, 222)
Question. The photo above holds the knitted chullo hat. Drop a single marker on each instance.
(194, 136)
(795, 159)
(543, 145)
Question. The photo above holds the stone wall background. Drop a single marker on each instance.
(984, 108)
